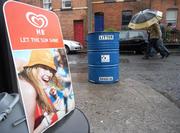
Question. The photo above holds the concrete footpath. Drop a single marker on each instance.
(127, 106)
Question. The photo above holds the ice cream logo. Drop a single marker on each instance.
(39, 21)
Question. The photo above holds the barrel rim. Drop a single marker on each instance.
(103, 32)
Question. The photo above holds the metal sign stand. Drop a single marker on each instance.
(74, 122)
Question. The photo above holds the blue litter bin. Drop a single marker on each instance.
(103, 57)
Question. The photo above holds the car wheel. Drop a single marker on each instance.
(67, 49)
(143, 48)
(138, 52)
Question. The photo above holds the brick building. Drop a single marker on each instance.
(72, 15)
(104, 14)
(116, 14)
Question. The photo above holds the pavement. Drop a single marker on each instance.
(127, 106)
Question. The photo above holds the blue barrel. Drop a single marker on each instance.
(103, 57)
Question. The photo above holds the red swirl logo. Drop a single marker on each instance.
(39, 21)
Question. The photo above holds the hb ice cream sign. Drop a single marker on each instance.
(36, 28)
(37, 47)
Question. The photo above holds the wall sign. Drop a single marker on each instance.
(106, 37)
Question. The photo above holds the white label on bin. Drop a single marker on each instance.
(105, 58)
(106, 37)
(105, 78)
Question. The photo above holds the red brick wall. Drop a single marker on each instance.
(112, 14)
(113, 11)
(67, 17)
(33, 2)
(67, 21)
(168, 4)
(56, 4)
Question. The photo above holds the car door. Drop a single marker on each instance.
(134, 36)
(123, 37)
(123, 40)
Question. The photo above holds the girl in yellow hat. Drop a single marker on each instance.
(36, 78)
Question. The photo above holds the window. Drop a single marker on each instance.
(126, 17)
(133, 34)
(47, 4)
(66, 4)
(130, 0)
(171, 16)
(109, 1)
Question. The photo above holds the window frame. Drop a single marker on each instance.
(173, 21)
(109, 1)
(125, 11)
(63, 5)
(130, 0)
(48, 4)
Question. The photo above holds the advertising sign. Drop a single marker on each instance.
(41, 64)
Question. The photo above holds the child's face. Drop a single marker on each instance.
(53, 91)
(45, 75)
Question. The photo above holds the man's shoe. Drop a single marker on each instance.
(162, 56)
(167, 54)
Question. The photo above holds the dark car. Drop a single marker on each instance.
(133, 40)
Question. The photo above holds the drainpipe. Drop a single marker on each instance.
(89, 16)
(150, 4)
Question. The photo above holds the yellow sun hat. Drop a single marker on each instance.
(41, 57)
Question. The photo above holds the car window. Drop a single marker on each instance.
(143, 34)
(134, 34)
(123, 35)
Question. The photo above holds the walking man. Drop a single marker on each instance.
(154, 34)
